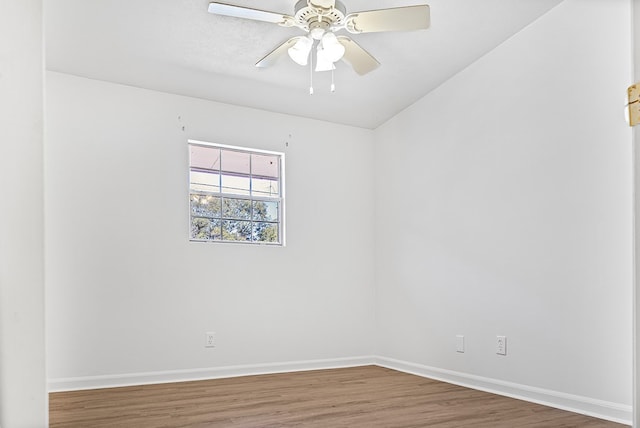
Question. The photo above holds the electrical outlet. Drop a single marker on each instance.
(460, 343)
(209, 339)
(501, 345)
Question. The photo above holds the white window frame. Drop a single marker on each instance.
(280, 199)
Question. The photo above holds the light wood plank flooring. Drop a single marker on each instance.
(368, 396)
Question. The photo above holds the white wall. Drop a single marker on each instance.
(636, 169)
(129, 294)
(504, 208)
(23, 400)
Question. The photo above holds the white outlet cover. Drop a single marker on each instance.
(501, 345)
(460, 343)
(209, 339)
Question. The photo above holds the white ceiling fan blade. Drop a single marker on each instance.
(247, 13)
(395, 19)
(359, 59)
(275, 54)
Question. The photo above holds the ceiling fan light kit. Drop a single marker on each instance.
(321, 19)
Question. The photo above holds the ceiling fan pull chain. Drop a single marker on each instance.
(311, 74)
(333, 85)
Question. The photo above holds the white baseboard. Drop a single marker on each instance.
(574, 403)
(147, 378)
(588, 406)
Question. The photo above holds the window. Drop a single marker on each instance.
(236, 194)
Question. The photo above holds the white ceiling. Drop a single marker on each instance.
(176, 46)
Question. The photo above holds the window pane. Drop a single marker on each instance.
(205, 182)
(265, 211)
(205, 228)
(205, 206)
(237, 162)
(264, 187)
(235, 194)
(236, 230)
(265, 232)
(236, 185)
(265, 166)
(236, 208)
(205, 157)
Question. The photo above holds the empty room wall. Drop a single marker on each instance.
(504, 207)
(23, 399)
(130, 298)
(636, 142)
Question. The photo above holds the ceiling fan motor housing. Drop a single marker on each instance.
(308, 12)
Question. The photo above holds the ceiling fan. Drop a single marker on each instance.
(321, 19)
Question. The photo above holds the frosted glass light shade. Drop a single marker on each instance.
(299, 52)
(330, 50)
(323, 62)
(331, 47)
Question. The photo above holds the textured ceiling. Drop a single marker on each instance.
(177, 46)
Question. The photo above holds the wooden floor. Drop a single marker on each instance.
(368, 396)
